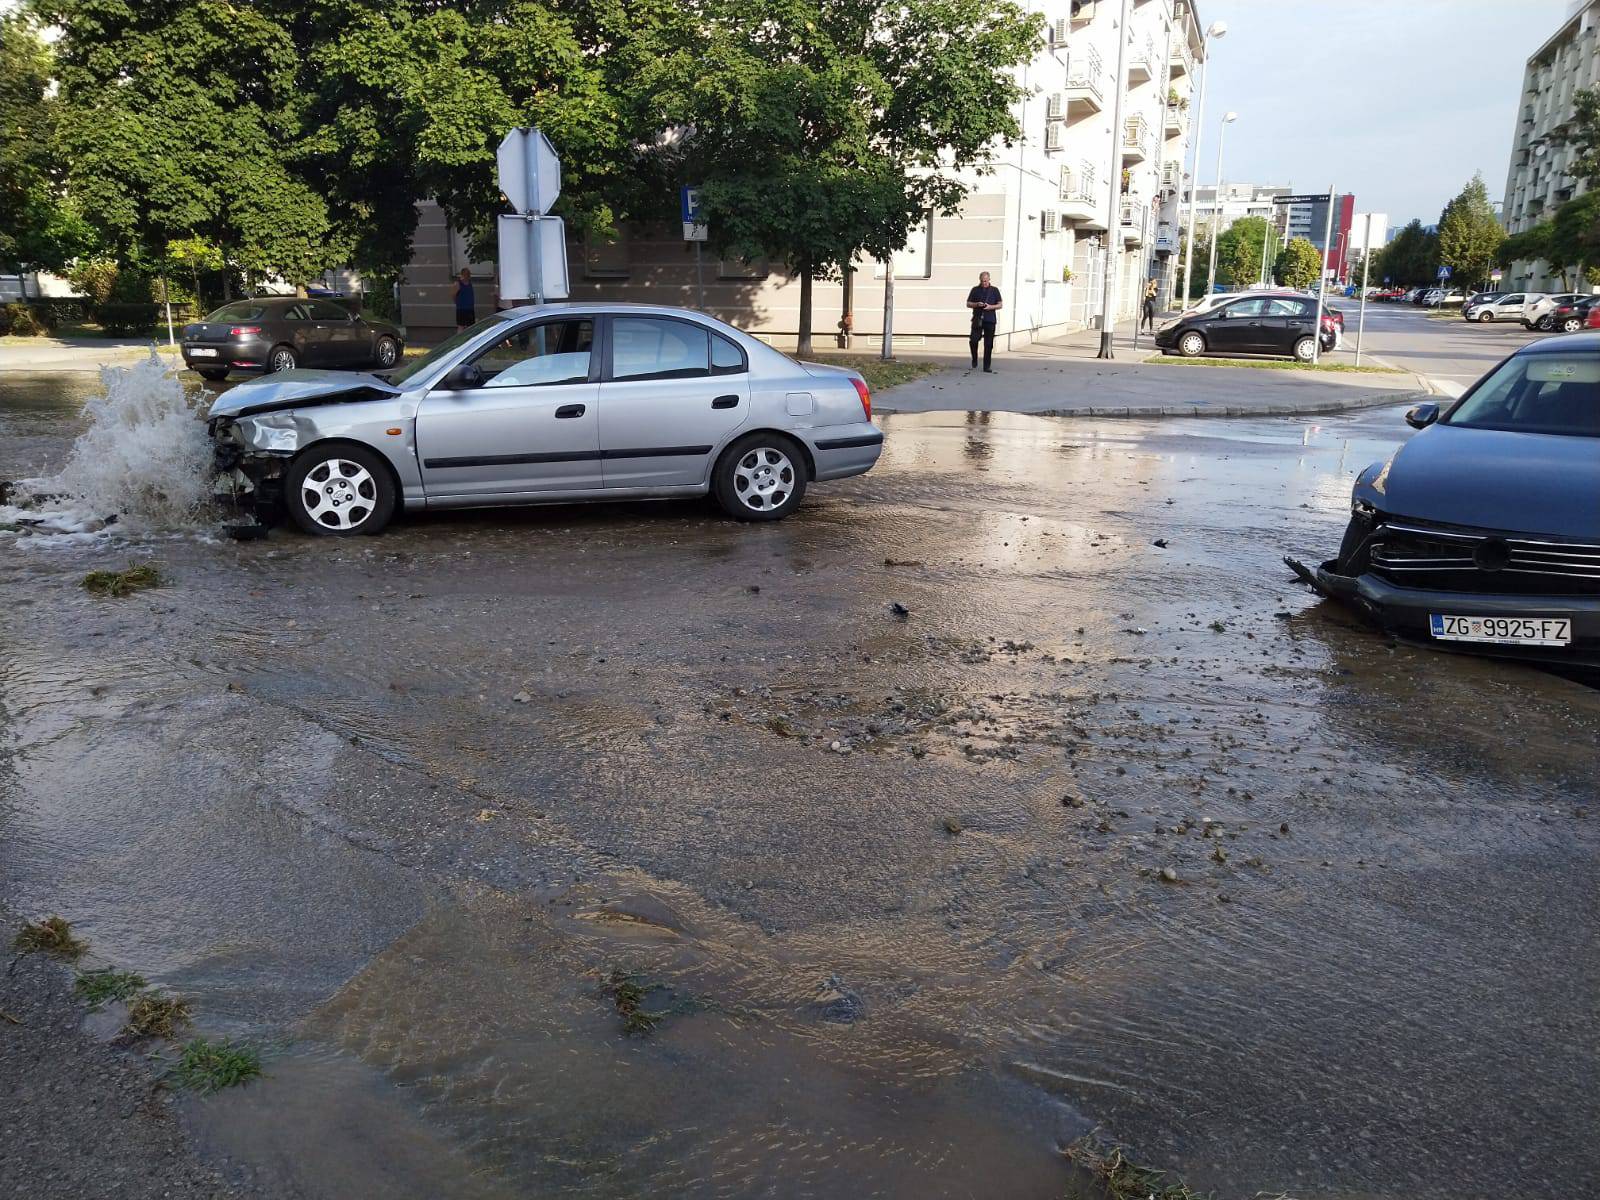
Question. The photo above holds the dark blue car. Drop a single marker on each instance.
(1483, 531)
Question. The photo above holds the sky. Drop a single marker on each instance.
(1396, 101)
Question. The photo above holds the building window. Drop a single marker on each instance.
(605, 257)
(743, 268)
(915, 259)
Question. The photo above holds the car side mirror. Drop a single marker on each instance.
(1422, 416)
(462, 378)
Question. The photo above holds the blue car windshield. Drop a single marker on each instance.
(1536, 393)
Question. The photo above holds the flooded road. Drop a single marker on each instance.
(422, 813)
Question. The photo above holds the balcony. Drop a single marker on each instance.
(1171, 177)
(1180, 63)
(1135, 219)
(1085, 76)
(1166, 238)
(1142, 63)
(1080, 201)
(1135, 140)
(1177, 121)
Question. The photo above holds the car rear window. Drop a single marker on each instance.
(1536, 393)
(239, 310)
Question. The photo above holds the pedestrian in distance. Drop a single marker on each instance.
(1150, 306)
(466, 301)
(984, 301)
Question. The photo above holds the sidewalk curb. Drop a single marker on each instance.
(1185, 410)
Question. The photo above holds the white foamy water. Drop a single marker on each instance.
(144, 462)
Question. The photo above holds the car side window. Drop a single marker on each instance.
(326, 310)
(726, 358)
(1512, 300)
(1283, 307)
(651, 348)
(295, 312)
(1244, 308)
(541, 355)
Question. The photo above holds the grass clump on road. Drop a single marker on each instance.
(102, 986)
(627, 995)
(53, 935)
(122, 583)
(878, 373)
(206, 1066)
(152, 1015)
(1119, 1178)
(1267, 364)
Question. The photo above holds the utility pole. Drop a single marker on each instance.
(1366, 261)
(1216, 205)
(1322, 283)
(887, 352)
(1108, 302)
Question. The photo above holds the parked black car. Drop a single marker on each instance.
(1571, 316)
(1249, 325)
(1482, 532)
(279, 333)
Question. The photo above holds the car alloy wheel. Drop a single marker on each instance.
(388, 352)
(1486, 315)
(1571, 325)
(1544, 323)
(1191, 345)
(281, 359)
(1304, 349)
(339, 491)
(761, 477)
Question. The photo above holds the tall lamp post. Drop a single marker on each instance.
(1216, 205)
(1216, 29)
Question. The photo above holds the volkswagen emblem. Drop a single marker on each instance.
(1492, 554)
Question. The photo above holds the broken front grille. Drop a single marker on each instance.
(1436, 559)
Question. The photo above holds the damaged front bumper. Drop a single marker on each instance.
(248, 470)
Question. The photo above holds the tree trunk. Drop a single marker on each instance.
(804, 346)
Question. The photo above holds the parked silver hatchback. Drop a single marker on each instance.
(548, 404)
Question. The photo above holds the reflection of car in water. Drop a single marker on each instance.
(1483, 531)
(550, 404)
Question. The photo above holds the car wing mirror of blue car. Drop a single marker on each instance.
(1422, 416)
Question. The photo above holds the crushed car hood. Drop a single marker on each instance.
(300, 389)
(1518, 482)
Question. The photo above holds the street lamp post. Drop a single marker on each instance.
(1216, 204)
(1108, 300)
(1216, 29)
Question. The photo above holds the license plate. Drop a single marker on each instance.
(200, 352)
(1511, 631)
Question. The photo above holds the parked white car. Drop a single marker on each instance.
(1541, 313)
(1511, 307)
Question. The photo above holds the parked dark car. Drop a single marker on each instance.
(1483, 531)
(1252, 324)
(279, 333)
(1571, 316)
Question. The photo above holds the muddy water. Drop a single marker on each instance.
(400, 808)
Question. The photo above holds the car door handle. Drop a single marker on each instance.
(569, 410)
(725, 402)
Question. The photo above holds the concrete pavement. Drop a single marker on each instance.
(72, 354)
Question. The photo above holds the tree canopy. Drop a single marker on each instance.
(1470, 235)
(1239, 250)
(1299, 264)
(1411, 259)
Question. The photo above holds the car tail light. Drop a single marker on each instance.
(866, 396)
(240, 330)
(1592, 321)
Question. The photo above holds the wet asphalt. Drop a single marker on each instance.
(402, 810)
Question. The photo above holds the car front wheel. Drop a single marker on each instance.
(282, 358)
(1544, 323)
(214, 374)
(761, 477)
(1571, 325)
(1191, 345)
(339, 491)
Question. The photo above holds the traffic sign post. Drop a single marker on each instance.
(533, 245)
(694, 230)
(1444, 273)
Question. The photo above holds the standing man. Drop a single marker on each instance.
(984, 301)
(466, 302)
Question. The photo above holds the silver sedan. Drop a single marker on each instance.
(548, 404)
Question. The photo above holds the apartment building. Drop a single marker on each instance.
(1041, 221)
(1238, 201)
(1540, 177)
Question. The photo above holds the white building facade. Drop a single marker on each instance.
(1540, 178)
(1238, 201)
(1042, 221)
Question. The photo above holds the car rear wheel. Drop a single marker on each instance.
(1304, 349)
(387, 352)
(1571, 325)
(1191, 345)
(761, 477)
(212, 373)
(339, 491)
(1486, 315)
(282, 358)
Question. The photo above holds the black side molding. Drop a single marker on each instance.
(850, 443)
(507, 460)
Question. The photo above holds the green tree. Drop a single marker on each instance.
(1299, 264)
(1470, 235)
(39, 227)
(1239, 249)
(822, 131)
(1412, 258)
(1583, 134)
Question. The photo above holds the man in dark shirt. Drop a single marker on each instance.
(466, 301)
(984, 301)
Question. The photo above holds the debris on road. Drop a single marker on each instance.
(122, 583)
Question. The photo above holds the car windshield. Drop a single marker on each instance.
(239, 310)
(418, 365)
(1536, 393)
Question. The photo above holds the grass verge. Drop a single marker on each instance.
(53, 935)
(1266, 364)
(122, 583)
(102, 986)
(152, 1015)
(878, 373)
(206, 1066)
